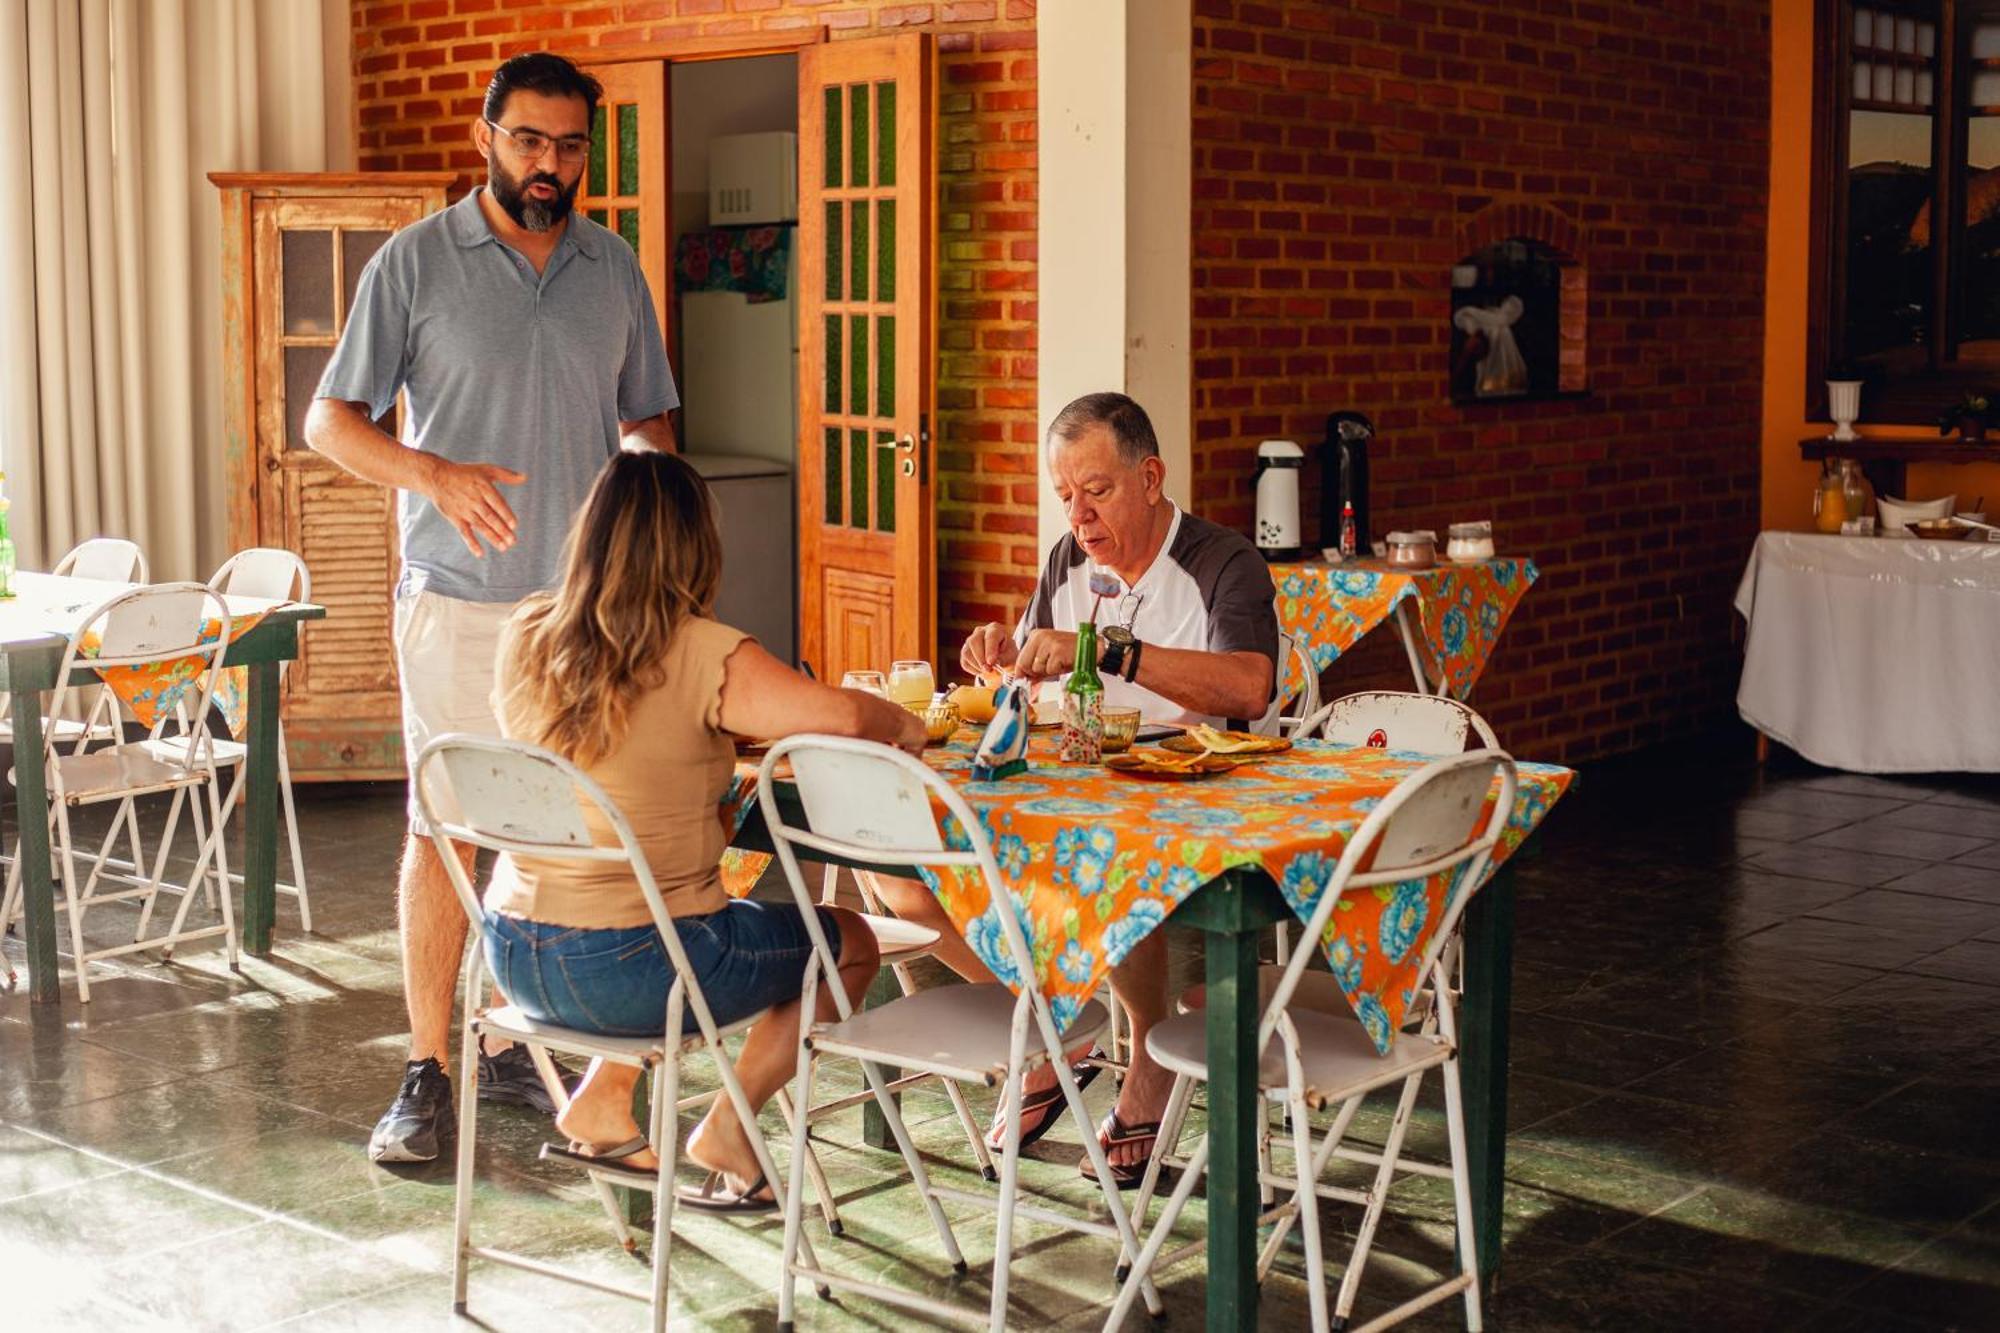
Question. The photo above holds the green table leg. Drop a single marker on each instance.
(31, 811)
(1489, 974)
(874, 1125)
(260, 814)
(1233, 1113)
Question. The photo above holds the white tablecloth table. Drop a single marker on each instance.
(1874, 654)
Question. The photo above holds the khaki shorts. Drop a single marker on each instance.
(444, 654)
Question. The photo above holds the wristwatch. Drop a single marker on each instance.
(1121, 652)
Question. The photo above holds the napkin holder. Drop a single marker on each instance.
(1003, 749)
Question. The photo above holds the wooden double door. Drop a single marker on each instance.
(867, 306)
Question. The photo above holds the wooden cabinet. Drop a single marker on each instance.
(293, 247)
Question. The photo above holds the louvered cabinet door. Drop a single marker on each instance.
(294, 250)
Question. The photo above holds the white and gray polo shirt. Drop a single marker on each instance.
(1207, 589)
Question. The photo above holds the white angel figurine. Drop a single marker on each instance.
(1501, 372)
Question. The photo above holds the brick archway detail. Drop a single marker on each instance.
(1519, 220)
(1523, 221)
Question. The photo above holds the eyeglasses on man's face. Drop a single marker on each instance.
(529, 145)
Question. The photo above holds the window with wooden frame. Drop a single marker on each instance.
(1906, 203)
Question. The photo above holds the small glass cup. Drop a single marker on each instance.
(911, 684)
(1121, 728)
(868, 682)
(940, 721)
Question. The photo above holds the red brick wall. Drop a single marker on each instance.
(420, 67)
(1341, 148)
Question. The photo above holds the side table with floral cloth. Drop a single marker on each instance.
(35, 626)
(1095, 862)
(1460, 611)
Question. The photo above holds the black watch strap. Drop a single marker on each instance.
(1112, 656)
(1130, 666)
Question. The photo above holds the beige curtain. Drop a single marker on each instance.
(110, 312)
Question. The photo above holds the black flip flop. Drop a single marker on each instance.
(610, 1161)
(1050, 1099)
(713, 1195)
(1115, 1133)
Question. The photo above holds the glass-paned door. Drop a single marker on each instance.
(867, 540)
(625, 180)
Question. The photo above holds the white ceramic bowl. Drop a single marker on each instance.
(1895, 513)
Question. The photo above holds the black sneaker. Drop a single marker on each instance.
(510, 1077)
(420, 1117)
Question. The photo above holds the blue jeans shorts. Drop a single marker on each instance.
(747, 957)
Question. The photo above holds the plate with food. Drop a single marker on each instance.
(1202, 738)
(1164, 767)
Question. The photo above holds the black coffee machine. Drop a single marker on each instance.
(1343, 477)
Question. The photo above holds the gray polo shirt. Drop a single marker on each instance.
(502, 366)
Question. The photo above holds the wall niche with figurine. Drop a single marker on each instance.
(1519, 301)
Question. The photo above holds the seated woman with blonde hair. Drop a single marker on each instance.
(623, 671)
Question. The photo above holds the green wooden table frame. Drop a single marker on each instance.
(1235, 911)
(28, 667)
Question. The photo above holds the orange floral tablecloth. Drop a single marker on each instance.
(1095, 862)
(1461, 610)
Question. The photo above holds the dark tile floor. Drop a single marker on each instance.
(1756, 1086)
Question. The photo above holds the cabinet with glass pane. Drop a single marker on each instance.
(293, 249)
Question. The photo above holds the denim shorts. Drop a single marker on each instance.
(746, 958)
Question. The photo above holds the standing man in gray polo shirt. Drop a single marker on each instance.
(524, 337)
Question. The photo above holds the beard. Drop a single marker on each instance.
(529, 213)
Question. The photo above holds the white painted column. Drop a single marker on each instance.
(1115, 90)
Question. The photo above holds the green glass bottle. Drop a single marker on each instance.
(1083, 704)
(6, 545)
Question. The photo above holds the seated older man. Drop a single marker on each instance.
(1193, 637)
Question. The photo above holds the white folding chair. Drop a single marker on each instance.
(1292, 715)
(274, 575)
(513, 798)
(1285, 715)
(901, 943)
(870, 803)
(1429, 825)
(109, 560)
(1398, 720)
(144, 626)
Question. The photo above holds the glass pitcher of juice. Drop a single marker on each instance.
(1829, 501)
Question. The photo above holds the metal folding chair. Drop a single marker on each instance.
(275, 575)
(516, 799)
(870, 803)
(145, 626)
(1431, 824)
(109, 560)
(1286, 715)
(1398, 720)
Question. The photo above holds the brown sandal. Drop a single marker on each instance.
(1115, 1133)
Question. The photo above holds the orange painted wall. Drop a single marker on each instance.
(1788, 479)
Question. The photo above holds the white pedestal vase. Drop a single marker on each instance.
(1843, 404)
